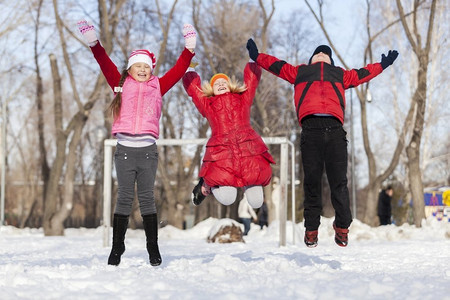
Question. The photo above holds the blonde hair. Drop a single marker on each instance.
(114, 107)
(233, 84)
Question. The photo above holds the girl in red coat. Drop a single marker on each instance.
(236, 155)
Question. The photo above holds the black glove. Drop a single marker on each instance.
(386, 61)
(252, 49)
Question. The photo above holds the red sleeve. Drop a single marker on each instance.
(277, 67)
(252, 74)
(108, 68)
(192, 85)
(355, 77)
(168, 80)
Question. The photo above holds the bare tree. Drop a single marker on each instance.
(12, 17)
(422, 49)
(45, 168)
(18, 166)
(58, 205)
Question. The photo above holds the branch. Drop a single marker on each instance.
(66, 55)
(376, 35)
(57, 95)
(430, 26)
(406, 27)
(104, 24)
(400, 145)
(266, 21)
(195, 18)
(325, 32)
(165, 26)
(369, 44)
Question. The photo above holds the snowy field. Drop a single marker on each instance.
(379, 263)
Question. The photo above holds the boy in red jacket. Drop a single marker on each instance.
(319, 96)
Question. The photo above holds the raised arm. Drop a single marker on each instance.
(272, 64)
(355, 77)
(252, 75)
(168, 80)
(192, 85)
(109, 69)
(176, 72)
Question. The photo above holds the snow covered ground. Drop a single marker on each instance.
(379, 263)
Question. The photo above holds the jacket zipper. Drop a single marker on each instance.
(138, 105)
(322, 83)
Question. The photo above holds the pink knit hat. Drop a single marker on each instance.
(143, 56)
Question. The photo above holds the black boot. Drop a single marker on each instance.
(197, 192)
(120, 225)
(151, 232)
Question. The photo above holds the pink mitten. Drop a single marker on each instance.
(190, 36)
(88, 32)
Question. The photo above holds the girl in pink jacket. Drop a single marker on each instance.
(136, 110)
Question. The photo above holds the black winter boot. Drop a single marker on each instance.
(120, 225)
(151, 232)
(197, 192)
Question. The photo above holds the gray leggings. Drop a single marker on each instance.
(136, 165)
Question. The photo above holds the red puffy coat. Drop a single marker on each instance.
(235, 154)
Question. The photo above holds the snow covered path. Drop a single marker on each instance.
(380, 263)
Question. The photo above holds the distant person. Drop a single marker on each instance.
(384, 205)
(319, 98)
(263, 215)
(246, 214)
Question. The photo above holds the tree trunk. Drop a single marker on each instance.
(51, 196)
(45, 169)
(268, 197)
(370, 216)
(56, 212)
(419, 100)
(416, 185)
(67, 201)
(413, 149)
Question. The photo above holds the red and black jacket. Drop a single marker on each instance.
(319, 88)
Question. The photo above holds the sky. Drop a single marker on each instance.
(340, 19)
(388, 262)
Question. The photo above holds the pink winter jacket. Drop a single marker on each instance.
(141, 108)
(141, 101)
